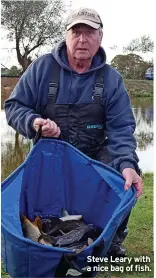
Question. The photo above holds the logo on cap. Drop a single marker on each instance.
(84, 15)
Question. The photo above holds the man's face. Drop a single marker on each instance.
(83, 41)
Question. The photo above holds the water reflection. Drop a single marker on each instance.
(15, 147)
(143, 113)
(144, 126)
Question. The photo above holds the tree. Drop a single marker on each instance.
(144, 44)
(15, 71)
(32, 24)
(131, 66)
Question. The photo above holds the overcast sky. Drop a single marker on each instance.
(123, 21)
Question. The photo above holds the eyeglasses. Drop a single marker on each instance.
(88, 33)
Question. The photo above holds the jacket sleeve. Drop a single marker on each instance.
(120, 127)
(20, 107)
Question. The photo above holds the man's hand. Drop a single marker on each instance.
(49, 128)
(131, 176)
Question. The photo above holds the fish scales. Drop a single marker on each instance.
(73, 236)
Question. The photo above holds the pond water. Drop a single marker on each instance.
(14, 148)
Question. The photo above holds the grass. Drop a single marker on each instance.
(139, 241)
(3, 273)
(139, 88)
(140, 238)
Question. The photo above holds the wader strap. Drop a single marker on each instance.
(99, 86)
(54, 84)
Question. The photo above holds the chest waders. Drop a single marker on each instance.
(81, 125)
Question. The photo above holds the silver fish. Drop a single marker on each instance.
(71, 217)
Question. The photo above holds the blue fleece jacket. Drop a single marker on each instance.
(31, 93)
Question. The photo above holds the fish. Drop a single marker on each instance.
(67, 226)
(64, 212)
(73, 236)
(93, 233)
(45, 239)
(55, 226)
(69, 231)
(50, 225)
(31, 230)
(79, 247)
(71, 217)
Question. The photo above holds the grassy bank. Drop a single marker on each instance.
(136, 88)
(140, 239)
(139, 88)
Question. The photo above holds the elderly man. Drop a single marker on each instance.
(73, 92)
